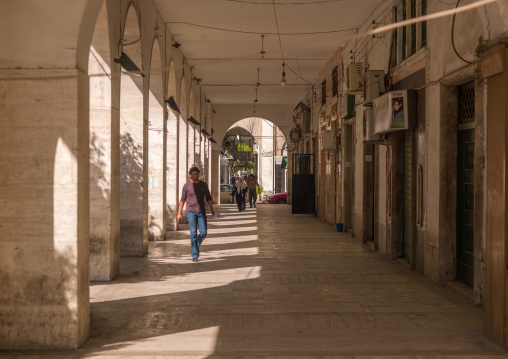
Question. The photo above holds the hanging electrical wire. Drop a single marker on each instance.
(453, 40)
(260, 33)
(288, 3)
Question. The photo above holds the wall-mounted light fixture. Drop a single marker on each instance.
(172, 103)
(205, 132)
(194, 121)
(128, 65)
(212, 140)
(176, 45)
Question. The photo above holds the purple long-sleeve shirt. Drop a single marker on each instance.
(194, 195)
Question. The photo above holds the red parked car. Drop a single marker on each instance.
(278, 198)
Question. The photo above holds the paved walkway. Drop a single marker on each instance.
(272, 284)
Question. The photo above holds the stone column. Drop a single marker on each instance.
(215, 178)
(156, 222)
(172, 170)
(183, 167)
(104, 180)
(44, 212)
(190, 145)
(133, 165)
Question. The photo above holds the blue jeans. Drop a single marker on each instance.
(196, 220)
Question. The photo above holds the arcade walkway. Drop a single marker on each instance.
(272, 284)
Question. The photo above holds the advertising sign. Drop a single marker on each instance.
(394, 111)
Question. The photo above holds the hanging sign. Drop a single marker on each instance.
(394, 111)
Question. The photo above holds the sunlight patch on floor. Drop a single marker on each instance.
(225, 217)
(199, 343)
(174, 284)
(215, 240)
(232, 230)
(236, 222)
(224, 253)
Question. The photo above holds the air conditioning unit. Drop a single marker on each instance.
(368, 126)
(354, 77)
(327, 140)
(374, 85)
(347, 106)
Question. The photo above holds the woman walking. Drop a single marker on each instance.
(239, 192)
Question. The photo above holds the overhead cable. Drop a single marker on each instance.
(260, 33)
(287, 3)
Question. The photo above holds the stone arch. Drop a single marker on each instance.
(226, 116)
(133, 177)
(86, 32)
(156, 153)
(238, 123)
(131, 35)
(265, 159)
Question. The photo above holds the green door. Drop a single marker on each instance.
(406, 196)
(465, 206)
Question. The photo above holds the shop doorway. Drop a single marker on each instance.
(465, 183)
(304, 197)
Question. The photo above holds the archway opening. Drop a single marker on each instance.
(255, 146)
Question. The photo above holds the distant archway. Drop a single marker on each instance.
(258, 143)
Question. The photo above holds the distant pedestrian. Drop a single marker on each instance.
(194, 193)
(252, 185)
(239, 194)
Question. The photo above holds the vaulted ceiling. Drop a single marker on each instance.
(222, 40)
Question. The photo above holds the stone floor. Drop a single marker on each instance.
(274, 285)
